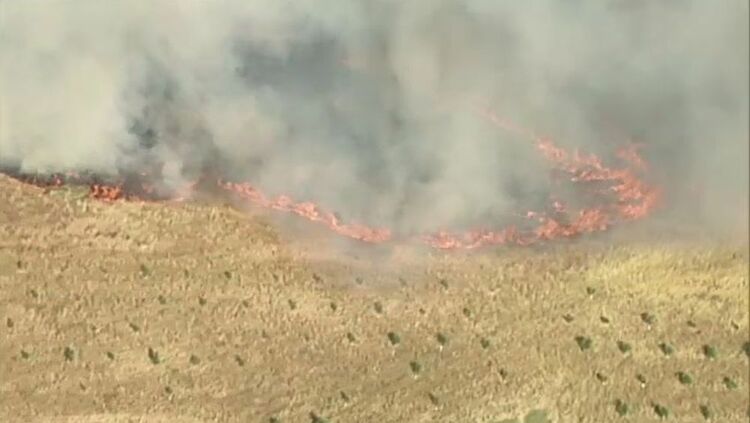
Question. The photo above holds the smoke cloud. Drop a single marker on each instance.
(369, 106)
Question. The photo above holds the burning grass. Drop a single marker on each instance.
(621, 193)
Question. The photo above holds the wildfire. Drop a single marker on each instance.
(625, 197)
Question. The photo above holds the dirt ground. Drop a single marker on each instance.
(200, 313)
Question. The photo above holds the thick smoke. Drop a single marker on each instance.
(369, 106)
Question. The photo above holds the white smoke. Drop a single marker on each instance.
(368, 105)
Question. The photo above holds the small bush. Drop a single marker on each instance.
(729, 383)
(684, 378)
(344, 396)
(666, 349)
(153, 356)
(661, 411)
(69, 354)
(641, 379)
(710, 352)
(621, 408)
(415, 367)
(584, 343)
(314, 418)
(433, 399)
(624, 347)
(442, 339)
(394, 338)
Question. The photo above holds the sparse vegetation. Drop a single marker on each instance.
(69, 354)
(441, 339)
(710, 352)
(584, 343)
(661, 411)
(621, 407)
(706, 411)
(666, 349)
(729, 383)
(641, 379)
(684, 378)
(648, 318)
(393, 338)
(433, 399)
(240, 362)
(153, 356)
(500, 334)
(314, 418)
(536, 416)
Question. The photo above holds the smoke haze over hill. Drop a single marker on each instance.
(370, 106)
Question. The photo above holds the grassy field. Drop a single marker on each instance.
(200, 313)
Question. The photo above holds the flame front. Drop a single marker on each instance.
(625, 198)
(633, 199)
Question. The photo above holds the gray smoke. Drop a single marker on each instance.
(368, 106)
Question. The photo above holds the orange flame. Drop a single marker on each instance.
(629, 198)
